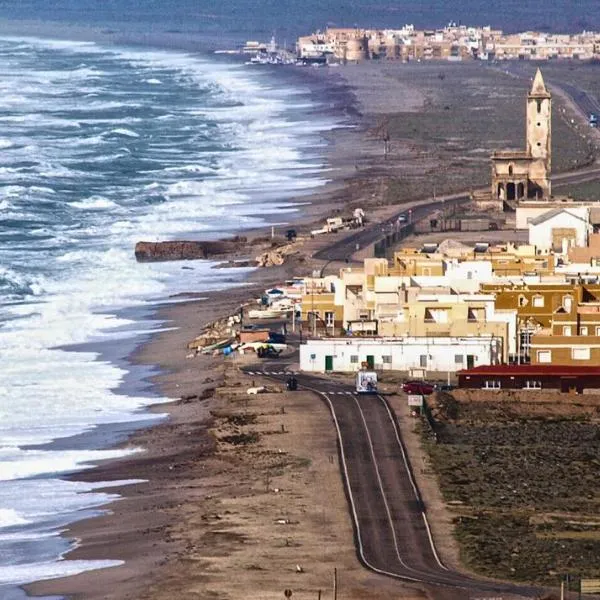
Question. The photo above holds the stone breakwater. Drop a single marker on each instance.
(186, 250)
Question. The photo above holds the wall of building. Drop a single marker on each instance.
(434, 355)
(559, 232)
(565, 350)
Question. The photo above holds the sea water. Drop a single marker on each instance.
(103, 146)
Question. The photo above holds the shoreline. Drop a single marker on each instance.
(178, 378)
(160, 378)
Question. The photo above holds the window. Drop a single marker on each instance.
(474, 315)
(583, 330)
(523, 301)
(533, 385)
(423, 360)
(386, 359)
(538, 301)
(354, 359)
(566, 330)
(329, 319)
(580, 353)
(544, 356)
(598, 331)
(492, 384)
(458, 359)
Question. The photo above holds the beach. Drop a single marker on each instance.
(216, 519)
(191, 478)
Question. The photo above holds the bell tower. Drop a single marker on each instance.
(539, 137)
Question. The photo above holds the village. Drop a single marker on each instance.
(489, 315)
(455, 42)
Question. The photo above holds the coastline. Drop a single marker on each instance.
(143, 520)
(120, 532)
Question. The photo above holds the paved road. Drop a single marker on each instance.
(372, 233)
(390, 521)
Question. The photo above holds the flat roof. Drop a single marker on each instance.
(557, 370)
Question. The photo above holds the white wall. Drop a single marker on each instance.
(540, 235)
(404, 353)
(466, 275)
(531, 210)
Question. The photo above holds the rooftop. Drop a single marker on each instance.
(556, 370)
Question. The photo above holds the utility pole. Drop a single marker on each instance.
(335, 584)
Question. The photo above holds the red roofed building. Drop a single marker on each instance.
(565, 378)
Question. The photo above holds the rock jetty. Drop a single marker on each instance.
(184, 250)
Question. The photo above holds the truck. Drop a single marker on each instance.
(366, 382)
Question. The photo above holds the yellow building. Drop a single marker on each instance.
(448, 315)
(540, 306)
(573, 337)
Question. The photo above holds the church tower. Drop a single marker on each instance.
(539, 138)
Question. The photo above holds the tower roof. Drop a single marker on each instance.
(538, 87)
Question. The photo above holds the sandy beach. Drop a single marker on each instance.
(239, 493)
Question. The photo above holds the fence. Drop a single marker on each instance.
(382, 248)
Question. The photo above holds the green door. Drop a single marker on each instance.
(470, 361)
(329, 363)
(370, 361)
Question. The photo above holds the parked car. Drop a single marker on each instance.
(418, 387)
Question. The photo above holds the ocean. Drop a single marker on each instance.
(117, 124)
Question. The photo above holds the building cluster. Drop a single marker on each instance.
(440, 309)
(454, 42)
(500, 316)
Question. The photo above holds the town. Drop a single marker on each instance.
(452, 43)
(492, 315)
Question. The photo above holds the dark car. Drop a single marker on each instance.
(418, 387)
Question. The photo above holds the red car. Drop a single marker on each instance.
(418, 387)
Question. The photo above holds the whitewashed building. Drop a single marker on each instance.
(429, 354)
(560, 229)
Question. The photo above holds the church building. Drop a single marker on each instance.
(521, 175)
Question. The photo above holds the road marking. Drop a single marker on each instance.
(349, 393)
(251, 373)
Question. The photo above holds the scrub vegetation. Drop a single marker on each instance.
(522, 480)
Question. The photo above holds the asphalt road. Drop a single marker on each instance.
(374, 232)
(392, 533)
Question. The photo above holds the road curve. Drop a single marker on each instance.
(391, 529)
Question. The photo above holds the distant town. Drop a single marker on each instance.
(454, 42)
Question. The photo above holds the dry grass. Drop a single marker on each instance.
(523, 485)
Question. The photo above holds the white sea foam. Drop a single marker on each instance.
(124, 132)
(95, 203)
(25, 573)
(10, 517)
